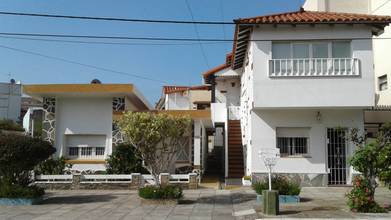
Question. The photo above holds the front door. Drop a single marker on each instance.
(336, 148)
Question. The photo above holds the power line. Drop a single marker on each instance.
(114, 19)
(198, 35)
(81, 64)
(222, 18)
(167, 39)
(107, 43)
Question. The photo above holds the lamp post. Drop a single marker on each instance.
(270, 197)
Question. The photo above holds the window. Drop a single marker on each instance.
(86, 151)
(100, 151)
(383, 84)
(73, 151)
(281, 50)
(341, 49)
(293, 141)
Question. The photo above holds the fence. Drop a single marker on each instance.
(131, 181)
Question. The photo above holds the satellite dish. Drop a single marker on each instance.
(96, 81)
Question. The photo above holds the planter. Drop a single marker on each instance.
(159, 201)
(20, 201)
(282, 198)
(246, 182)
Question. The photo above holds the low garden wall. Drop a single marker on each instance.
(106, 182)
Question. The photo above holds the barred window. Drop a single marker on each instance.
(99, 151)
(73, 151)
(293, 141)
(86, 151)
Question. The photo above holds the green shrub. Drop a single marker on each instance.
(10, 125)
(361, 199)
(124, 161)
(247, 177)
(162, 192)
(52, 166)
(279, 183)
(18, 157)
(18, 191)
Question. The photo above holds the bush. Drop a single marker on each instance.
(124, 161)
(10, 125)
(52, 166)
(162, 192)
(18, 157)
(279, 183)
(17, 191)
(360, 198)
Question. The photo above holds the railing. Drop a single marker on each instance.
(116, 178)
(87, 153)
(317, 67)
(179, 178)
(53, 179)
(234, 112)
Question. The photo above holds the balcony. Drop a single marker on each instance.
(315, 67)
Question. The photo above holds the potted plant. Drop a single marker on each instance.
(288, 191)
(246, 181)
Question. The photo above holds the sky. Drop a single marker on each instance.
(175, 63)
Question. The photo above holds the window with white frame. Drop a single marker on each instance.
(85, 146)
(312, 58)
(383, 84)
(293, 141)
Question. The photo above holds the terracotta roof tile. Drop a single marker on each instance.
(175, 89)
(316, 17)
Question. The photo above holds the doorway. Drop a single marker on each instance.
(336, 155)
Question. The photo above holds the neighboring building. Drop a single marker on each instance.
(305, 80)
(185, 98)
(10, 101)
(78, 119)
(375, 117)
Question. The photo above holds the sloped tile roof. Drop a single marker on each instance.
(315, 17)
(174, 89)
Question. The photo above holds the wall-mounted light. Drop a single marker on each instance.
(318, 116)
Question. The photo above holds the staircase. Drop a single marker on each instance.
(235, 150)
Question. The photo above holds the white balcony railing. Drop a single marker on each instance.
(85, 153)
(317, 67)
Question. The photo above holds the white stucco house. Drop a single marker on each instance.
(304, 79)
(79, 119)
(381, 113)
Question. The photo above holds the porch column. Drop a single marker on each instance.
(197, 144)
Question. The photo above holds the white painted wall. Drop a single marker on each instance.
(177, 101)
(227, 90)
(265, 122)
(10, 101)
(313, 92)
(381, 48)
(83, 116)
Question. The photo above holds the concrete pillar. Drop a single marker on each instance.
(270, 202)
(164, 179)
(136, 181)
(76, 179)
(197, 144)
(193, 182)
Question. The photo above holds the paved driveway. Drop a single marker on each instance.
(197, 204)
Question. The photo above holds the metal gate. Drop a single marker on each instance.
(336, 153)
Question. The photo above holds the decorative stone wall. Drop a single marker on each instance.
(49, 119)
(117, 136)
(118, 104)
(304, 179)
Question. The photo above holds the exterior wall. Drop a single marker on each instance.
(177, 101)
(381, 48)
(300, 92)
(83, 116)
(199, 96)
(227, 90)
(352, 6)
(10, 101)
(265, 122)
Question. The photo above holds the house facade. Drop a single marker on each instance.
(79, 119)
(305, 80)
(10, 101)
(381, 113)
